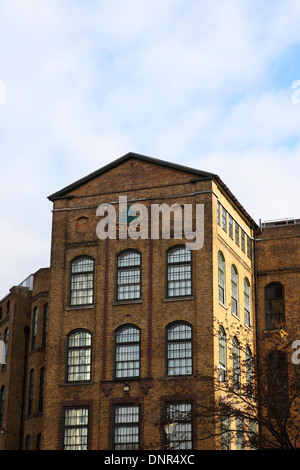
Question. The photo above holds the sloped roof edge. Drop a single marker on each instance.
(61, 194)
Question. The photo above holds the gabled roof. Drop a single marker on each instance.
(199, 174)
(63, 192)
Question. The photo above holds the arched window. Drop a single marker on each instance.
(79, 345)
(234, 290)
(221, 278)
(82, 225)
(249, 372)
(179, 272)
(127, 352)
(274, 305)
(222, 354)
(82, 282)
(277, 379)
(2, 398)
(179, 352)
(129, 275)
(236, 363)
(247, 302)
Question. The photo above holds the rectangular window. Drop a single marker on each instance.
(45, 316)
(225, 431)
(34, 327)
(127, 352)
(237, 234)
(41, 394)
(179, 272)
(179, 349)
(76, 428)
(79, 356)
(218, 213)
(240, 444)
(82, 282)
(129, 276)
(224, 219)
(30, 392)
(178, 429)
(243, 240)
(126, 427)
(230, 228)
(249, 247)
(274, 306)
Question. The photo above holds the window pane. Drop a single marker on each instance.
(179, 272)
(247, 307)
(179, 350)
(126, 428)
(129, 259)
(83, 265)
(129, 276)
(179, 415)
(275, 316)
(179, 255)
(222, 355)
(127, 354)
(236, 363)
(234, 290)
(79, 356)
(76, 428)
(221, 279)
(82, 282)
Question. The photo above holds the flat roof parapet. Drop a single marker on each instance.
(280, 222)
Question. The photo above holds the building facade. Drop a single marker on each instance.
(278, 331)
(130, 332)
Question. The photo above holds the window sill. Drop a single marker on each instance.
(173, 299)
(126, 302)
(79, 383)
(235, 316)
(178, 377)
(272, 330)
(80, 307)
(223, 305)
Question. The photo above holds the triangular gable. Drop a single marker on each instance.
(150, 160)
(180, 170)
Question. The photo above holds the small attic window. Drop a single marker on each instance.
(82, 225)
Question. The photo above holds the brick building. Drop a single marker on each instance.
(23, 321)
(134, 323)
(278, 313)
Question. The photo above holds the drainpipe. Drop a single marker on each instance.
(26, 332)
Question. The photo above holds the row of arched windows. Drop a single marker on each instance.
(236, 362)
(127, 352)
(235, 301)
(128, 276)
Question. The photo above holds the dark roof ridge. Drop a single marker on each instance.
(120, 160)
(61, 194)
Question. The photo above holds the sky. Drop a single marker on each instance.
(211, 85)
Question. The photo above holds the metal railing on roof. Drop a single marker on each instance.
(28, 282)
(280, 222)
